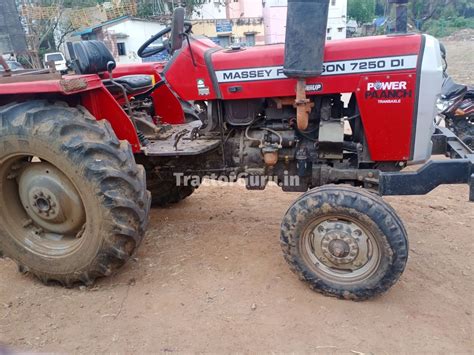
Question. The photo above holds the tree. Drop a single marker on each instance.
(362, 11)
(165, 7)
(41, 19)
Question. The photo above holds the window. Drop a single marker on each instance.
(55, 57)
(224, 41)
(328, 30)
(121, 48)
(333, 2)
(250, 39)
(340, 29)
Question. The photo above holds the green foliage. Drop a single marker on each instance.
(441, 17)
(362, 11)
(445, 26)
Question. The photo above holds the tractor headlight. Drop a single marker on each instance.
(443, 105)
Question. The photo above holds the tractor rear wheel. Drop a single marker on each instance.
(345, 242)
(74, 205)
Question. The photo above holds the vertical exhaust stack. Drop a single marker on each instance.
(401, 15)
(306, 28)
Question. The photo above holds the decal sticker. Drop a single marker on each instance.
(314, 87)
(346, 67)
(388, 92)
(390, 85)
(202, 88)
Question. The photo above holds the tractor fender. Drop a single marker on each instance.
(102, 105)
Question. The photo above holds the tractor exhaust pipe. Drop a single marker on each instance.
(306, 27)
(401, 15)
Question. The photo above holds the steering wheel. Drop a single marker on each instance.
(146, 52)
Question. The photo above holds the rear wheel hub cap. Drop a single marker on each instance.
(50, 199)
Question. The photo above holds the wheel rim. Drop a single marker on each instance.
(45, 212)
(340, 249)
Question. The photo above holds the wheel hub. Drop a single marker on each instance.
(339, 248)
(45, 204)
(340, 245)
(50, 199)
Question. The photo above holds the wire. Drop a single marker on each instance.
(275, 133)
(251, 138)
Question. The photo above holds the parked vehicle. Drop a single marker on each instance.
(13, 65)
(59, 61)
(78, 153)
(456, 106)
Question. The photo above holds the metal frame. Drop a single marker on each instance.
(458, 170)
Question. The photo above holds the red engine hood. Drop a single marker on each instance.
(213, 72)
(337, 50)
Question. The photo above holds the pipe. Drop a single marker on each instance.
(303, 105)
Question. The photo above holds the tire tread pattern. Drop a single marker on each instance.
(102, 159)
(366, 204)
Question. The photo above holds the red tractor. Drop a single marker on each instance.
(79, 153)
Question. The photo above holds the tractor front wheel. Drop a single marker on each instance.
(344, 242)
(74, 205)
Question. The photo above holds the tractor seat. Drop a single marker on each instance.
(93, 57)
(133, 84)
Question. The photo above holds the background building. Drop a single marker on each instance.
(274, 15)
(123, 36)
(230, 21)
(12, 36)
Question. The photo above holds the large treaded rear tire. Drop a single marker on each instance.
(371, 214)
(102, 169)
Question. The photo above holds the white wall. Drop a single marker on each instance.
(275, 12)
(137, 32)
(337, 19)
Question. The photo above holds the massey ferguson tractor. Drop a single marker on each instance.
(84, 156)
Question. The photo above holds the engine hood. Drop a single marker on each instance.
(337, 50)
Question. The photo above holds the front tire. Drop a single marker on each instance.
(344, 242)
(74, 203)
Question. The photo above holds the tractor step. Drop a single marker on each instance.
(183, 140)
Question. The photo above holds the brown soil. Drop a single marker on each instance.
(210, 277)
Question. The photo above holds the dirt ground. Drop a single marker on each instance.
(210, 277)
